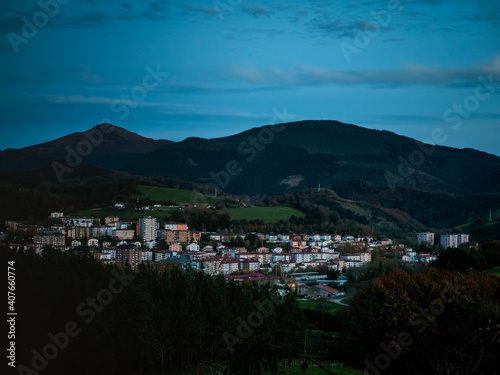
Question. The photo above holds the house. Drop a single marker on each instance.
(193, 247)
(302, 290)
(93, 242)
(175, 247)
(287, 265)
(272, 238)
(426, 258)
(322, 291)
(336, 264)
(283, 237)
(111, 220)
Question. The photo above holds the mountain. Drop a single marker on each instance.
(346, 158)
(105, 146)
(437, 186)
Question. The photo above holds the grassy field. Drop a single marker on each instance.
(493, 271)
(126, 214)
(161, 194)
(321, 305)
(267, 214)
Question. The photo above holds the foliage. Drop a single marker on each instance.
(158, 323)
(450, 323)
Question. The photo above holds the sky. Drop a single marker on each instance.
(426, 69)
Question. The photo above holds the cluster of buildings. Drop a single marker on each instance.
(220, 259)
(445, 240)
(125, 243)
(112, 240)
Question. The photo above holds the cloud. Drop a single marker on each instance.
(98, 17)
(258, 11)
(157, 10)
(209, 12)
(161, 107)
(305, 75)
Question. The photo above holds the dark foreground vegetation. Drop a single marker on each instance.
(78, 316)
(147, 322)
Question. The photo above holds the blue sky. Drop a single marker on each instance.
(177, 69)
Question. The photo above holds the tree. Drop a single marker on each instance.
(434, 322)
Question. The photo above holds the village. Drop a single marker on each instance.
(124, 243)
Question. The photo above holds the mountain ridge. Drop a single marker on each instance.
(438, 186)
(333, 152)
(108, 144)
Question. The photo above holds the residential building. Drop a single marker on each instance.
(228, 266)
(93, 242)
(110, 220)
(462, 238)
(302, 290)
(127, 255)
(45, 239)
(147, 255)
(162, 255)
(79, 221)
(425, 237)
(322, 291)
(147, 228)
(353, 263)
(449, 240)
(182, 227)
(123, 234)
(175, 247)
(195, 236)
(171, 236)
(193, 247)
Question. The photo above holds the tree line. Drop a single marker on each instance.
(144, 322)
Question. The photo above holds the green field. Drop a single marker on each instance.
(267, 214)
(331, 308)
(126, 214)
(493, 271)
(161, 194)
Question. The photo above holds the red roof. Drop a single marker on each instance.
(326, 289)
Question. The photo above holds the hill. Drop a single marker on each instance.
(105, 146)
(346, 158)
(377, 173)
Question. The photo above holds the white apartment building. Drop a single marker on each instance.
(425, 237)
(147, 228)
(449, 240)
(453, 240)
